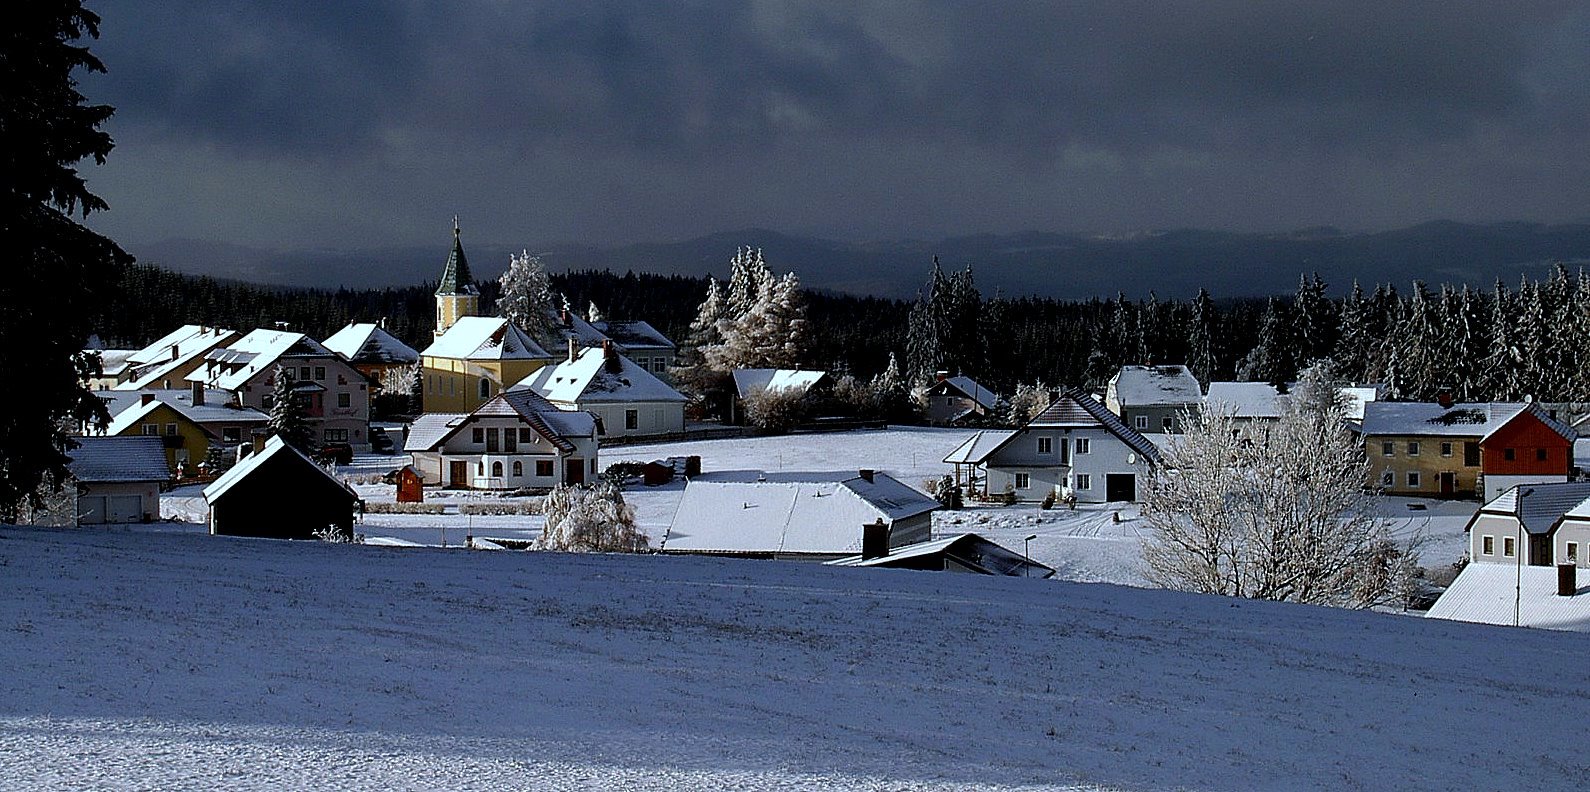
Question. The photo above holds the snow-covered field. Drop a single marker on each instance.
(171, 660)
(1086, 545)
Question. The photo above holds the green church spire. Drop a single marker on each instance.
(455, 276)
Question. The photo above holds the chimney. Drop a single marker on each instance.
(563, 316)
(574, 348)
(145, 399)
(173, 352)
(198, 393)
(258, 436)
(941, 375)
(874, 540)
(1567, 580)
(610, 356)
(1444, 398)
(867, 474)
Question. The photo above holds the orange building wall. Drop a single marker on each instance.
(1525, 435)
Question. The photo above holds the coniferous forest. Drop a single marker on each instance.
(1507, 342)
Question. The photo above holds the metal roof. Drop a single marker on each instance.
(979, 446)
(1146, 386)
(1075, 409)
(749, 380)
(455, 273)
(113, 459)
(590, 377)
(969, 550)
(1544, 504)
(370, 343)
(1486, 593)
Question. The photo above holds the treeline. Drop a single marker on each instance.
(1501, 343)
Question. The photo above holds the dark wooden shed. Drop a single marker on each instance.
(279, 493)
(410, 485)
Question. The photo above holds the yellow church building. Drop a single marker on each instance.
(473, 357)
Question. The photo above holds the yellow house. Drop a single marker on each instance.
(477, 358)
(186, 430)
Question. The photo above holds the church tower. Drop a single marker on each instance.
(456, 296)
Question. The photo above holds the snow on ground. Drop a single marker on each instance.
(171, 660)
(1086, 545)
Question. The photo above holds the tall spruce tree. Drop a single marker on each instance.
(1354, 341)
(1201, 335)
(289, 418)
(59, 273)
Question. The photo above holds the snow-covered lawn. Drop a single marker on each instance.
(171, 660)
(1087, 545)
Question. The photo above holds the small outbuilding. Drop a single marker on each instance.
(410, 485)
(118, 478)
(278, 493)
(967, 552)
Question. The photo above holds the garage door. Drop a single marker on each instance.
(1120, 487)
(91, 509)
(124, 508)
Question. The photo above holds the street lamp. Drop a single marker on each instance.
(1518, 553)
(1025, 551)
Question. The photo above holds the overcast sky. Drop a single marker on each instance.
(361, 124)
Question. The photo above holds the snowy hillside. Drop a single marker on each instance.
(164, 660)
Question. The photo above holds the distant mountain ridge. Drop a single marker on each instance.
(1172, 263)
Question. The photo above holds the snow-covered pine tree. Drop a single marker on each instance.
(1355, 341)
(966, 351)
(1274, 360)
(1201, 331)
(289, 419)
(772, 334)
(926, 327)
(1315, 318)
(1501, 368)
(1416, 339)
(748, 275)
(527, 299)
(593, 314)
(704, 385)
(1532, 338)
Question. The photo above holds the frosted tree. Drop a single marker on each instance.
(1356, 338)
(1027, 402)
(594, 314)
(1315, 318)
(1415, 343)
(1273, 359)
(748, 279)
(289, 418)
(1201, 359)
(1278, 515)
(1532, 339)
(527, 299)
(890, 394)
(590, 520)
(772, 334)
(927, 326)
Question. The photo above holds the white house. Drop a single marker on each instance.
(1153, 398)
(629, 400)
(118, 478)
(1533, 525)
(517, 439)
(335, 394)
(1075, 445)
(954, 399)
(806, 516)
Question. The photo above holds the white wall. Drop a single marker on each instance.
(1499, 528)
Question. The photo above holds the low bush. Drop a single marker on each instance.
(502, 508)
(383, 507)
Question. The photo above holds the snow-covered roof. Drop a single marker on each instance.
(591, 377)
(1250, 400)
(1486, 593)
(218, 408)
(971, 390)
(1356, 396)
(190, 342)
(1544, 504)
(796, 513)
(1460, 420)
(633, 334)
(113, 459)
(232, 366)
(428, 430)
(273, 447)
(968, 550)
(977, 447)
(186, 336)
(1146, 386)
(747, 381)
(370, 343)
(485, 338)
(112, 362)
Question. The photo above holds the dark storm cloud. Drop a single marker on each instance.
(1110, 112)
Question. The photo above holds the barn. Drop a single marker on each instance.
(278, 493)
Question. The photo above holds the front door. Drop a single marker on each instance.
(1448, 484)
(574, 471)
(457, 474)
(1539, 550)
(1120, 487)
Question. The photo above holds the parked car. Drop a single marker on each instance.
(337, 453)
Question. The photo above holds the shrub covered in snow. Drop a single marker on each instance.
(503, 507)
(590, 520)
(383, 507)
(775, 411)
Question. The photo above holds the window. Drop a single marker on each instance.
(1413, 448)
(1084, 481)
(477, 435)
(485, 388)
(1572, 553)
(1141, 421)
(632, 419)
(480, 468)
(518, 469)
(344, 400)
(171, 430)
(1471, 454)
(266, 401)
(303, 373)
(1388, 448)
(491, 440)
(152, 430)
(1413, 478)
(593, 465)
(1165, 423)
(527, 436)
(320, 373)
(510, 441)
(543, 467)
(1488, 545)
(1045, 445)
(1084, 445)
(1508, 454)
(1446, 449)
(1388, 479)
(1540, 455)
(1023, 481)
(1507, 547)
(336, 435)
(232, 434)
(496, 470)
